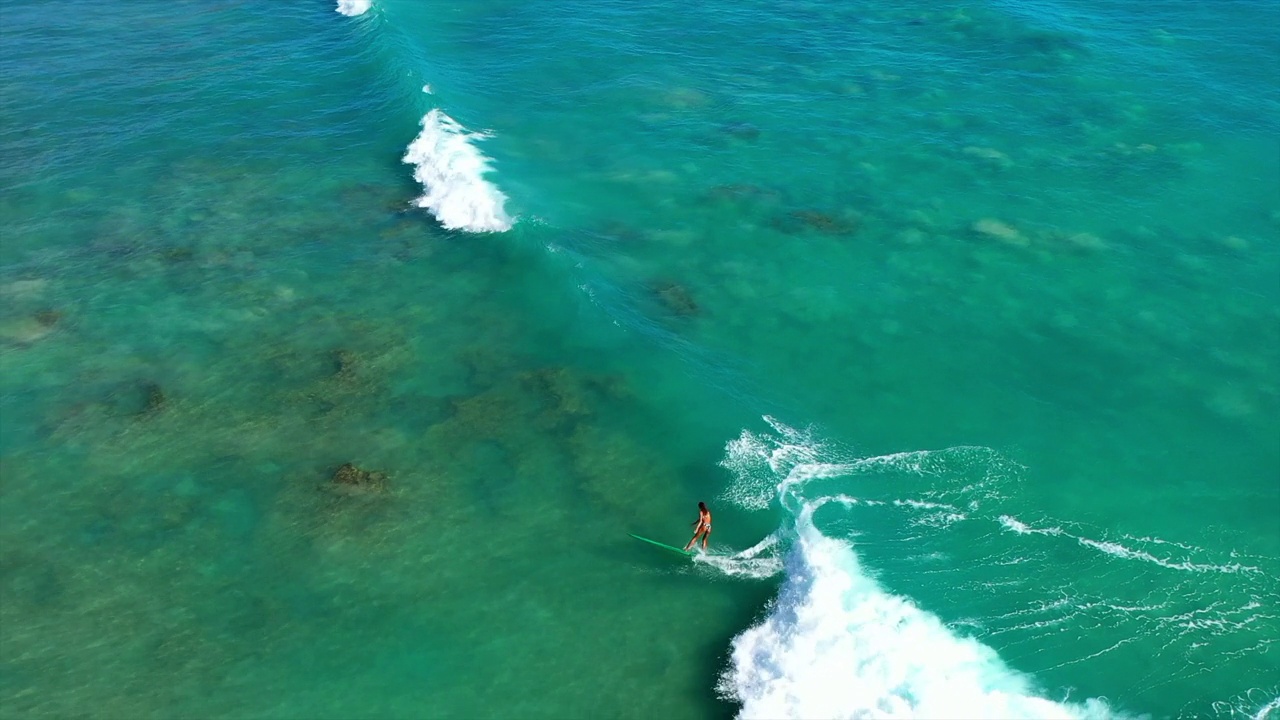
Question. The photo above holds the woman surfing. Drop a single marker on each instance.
(702, 526)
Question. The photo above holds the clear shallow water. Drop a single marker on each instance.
(1015, 266)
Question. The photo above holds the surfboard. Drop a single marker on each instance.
(686, 553)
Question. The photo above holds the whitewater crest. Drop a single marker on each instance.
(451, 170)
(352, 8)
(835, 643)
(449, 166)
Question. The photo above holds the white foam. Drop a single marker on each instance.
(1016, 525)
(935, 515)
(451, 170)
(352, 8)
(758, 462)
(1254, 704)
(836, 645)
(758, 561)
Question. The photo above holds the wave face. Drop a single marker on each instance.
(837, 643)
(451, 170)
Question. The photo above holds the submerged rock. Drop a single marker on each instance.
(177, 255)
(675, 238)
(825, 223)
(991, 156)
(28, 580)
(367, 196)
(1086, 241)
(24, 331)
(675, 297)
(154, 399)
(735, 191)
(568, 396)
(741, 193)
(999, 230)
(685, 98)
(351, 476)
(1077, 241)
(741, 130)
(617, 230)
(912, 236)
(1231, 403)
(48, 318)
(24, 288)
(344, 364)
(1234, 243)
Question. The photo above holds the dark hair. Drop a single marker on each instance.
(702, 506)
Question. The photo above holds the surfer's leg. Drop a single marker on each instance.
(705, 536)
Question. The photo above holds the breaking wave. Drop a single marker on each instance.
(451, 170)
(837, 643)
(449, 166)
(352, 8)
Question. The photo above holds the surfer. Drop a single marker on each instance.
(702, 526)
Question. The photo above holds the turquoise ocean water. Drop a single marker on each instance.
(964, 318)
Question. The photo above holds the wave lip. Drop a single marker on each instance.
(451, 169)
(352, 8)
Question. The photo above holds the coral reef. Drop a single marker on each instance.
(349, 475)
(675, 297)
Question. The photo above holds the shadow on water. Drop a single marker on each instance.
(737, 605)
(752, 600)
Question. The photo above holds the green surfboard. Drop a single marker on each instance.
(686, 553)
